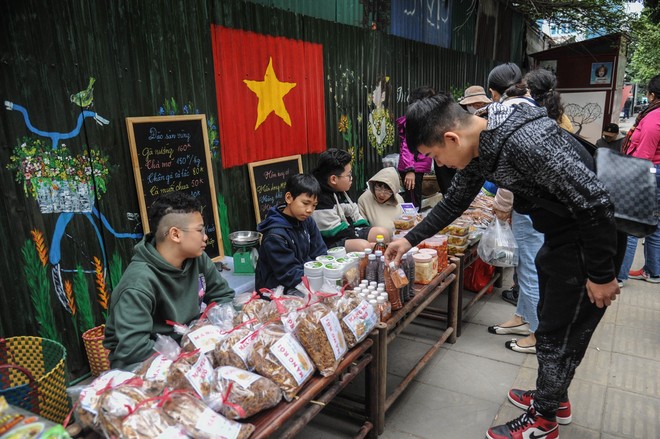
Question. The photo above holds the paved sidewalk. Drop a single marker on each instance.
(462, 391)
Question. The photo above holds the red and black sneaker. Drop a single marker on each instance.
(524, 398)
(529, 425)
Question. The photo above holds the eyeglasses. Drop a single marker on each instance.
(203, 230)
(349, 176)
(383, 189)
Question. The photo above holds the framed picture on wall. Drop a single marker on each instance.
(549, 65)
(601, 73)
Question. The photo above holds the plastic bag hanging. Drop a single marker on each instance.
(498, 246)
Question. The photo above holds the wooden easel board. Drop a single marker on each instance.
(268, 180)
(169, 154)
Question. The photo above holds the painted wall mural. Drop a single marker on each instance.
(65, 184)
(380, 125)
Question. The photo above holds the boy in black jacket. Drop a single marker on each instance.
(290, 236)
(519, 148)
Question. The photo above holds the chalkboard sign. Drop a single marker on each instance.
(268, 180)
(171, 154)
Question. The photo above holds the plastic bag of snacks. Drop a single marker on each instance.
(498, 246)
(117, 403)
(320, 333)
(221, 315)
(234, 349)
(89, 398)
(276, 354)
(356, 316)
(191, 371)
(154, 369)
(255, 308)
(289, 309)
(238, 394)
(148, 422)
(199, 421)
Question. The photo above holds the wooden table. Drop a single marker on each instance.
(320, 391)
(388, 331)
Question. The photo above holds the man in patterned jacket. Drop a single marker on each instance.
(519, 148)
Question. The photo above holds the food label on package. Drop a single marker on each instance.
(293, 357)
(239, 376)
(361, 320)
(200, 373)
(333, 331)
(243, 347)
(158, 369)
(290, 321)
(172, 433)
(89, 396)
(205, 338)
(217, 426)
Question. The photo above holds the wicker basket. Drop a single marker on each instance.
(34, 375)
(97, 355)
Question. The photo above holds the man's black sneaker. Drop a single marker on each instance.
(510, 296)
(529, 425)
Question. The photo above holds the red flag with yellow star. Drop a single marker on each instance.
(270, 96)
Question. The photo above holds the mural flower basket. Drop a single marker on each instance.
(57, 179)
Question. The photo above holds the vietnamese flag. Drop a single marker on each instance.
(270, 96)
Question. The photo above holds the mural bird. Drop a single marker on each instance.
(85, 97)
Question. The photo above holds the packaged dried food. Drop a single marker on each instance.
(117, 403)
(276, 354)
(234, 350)
(202, 336)
(199, 421)
(90, 397)
(221, 315)
(404, 222)
(320, 333)
(288, 310)
(425, 270)
(154, 373)
(191, 371)
(351, 275)
(456, 249)
(239, 394)
(255, 308)
(356, 317)
(148, 422)
(434, 257)
(457, 240)
(458, 228)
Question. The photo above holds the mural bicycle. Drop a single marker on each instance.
(66, 185)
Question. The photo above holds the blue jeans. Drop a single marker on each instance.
(529, 242)
(651, 247)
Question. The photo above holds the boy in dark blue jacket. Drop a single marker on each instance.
(290, 235)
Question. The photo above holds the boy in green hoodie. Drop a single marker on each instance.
(169, 279)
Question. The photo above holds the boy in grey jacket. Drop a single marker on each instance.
(519, 148)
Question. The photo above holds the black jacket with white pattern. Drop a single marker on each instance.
(526, 152)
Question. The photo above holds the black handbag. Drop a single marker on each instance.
(631, 182)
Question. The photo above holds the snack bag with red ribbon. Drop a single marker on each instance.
(118, 402)
(320, 333)
(199, 420)
(255, 308)
(191, 371)
(356, 316)
(238, 394)
(287, 308)
(147, 421)
(277, 354)
(154, 369)
(234, 349)
(201, 335)
(89, 400)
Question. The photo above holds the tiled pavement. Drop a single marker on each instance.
(462, 391)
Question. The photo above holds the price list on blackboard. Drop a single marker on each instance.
(170, 154)
(268, 181)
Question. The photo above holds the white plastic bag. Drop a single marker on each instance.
(498, 246)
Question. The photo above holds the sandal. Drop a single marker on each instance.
(514, 346)
(522, 329)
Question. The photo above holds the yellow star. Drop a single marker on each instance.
(271, 92)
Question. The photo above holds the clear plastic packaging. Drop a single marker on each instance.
(235, 349)
(425, 270)
(199, 421)
(320, 333)
(117, 403)
(191, 371)
(255, 308)
(404, 222)
(457, 240)
(498, 246)
(238, 394)
(356, 317)
(372, 269)
(393, 294)
(277, 355)
(384, 308)
(148, 422)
